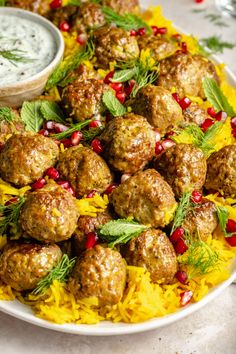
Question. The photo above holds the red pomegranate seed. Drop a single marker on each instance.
(221, 116)
(231, 226)
(233, 122)
(158, 148)
(170, 133)
(39, 184)
(121, 96)
(50, 125)
(129, 87)
(11, 201)
(231, 240)
(64, 184)
(176, 97)
(81, 39)
(158, 135)
(184, 47)
(91, 240)
(116, 86)
(161, 30)
(91, 194)
(181, 276)
(198, 1)
(97, 146)
(124, 177)
(212, 113)
(71, 191)
(95, 124)
(186, 297)
(108, 77)
(52, 173)
(176, 235)
(180, 246)
(177, 36)
(59, 128)
(64, 26)
(168, 143)
(185, 103)
(133, 33)
(196, 197)
(110, 188)
(154, 29)
(56, 4)
(234, 133)
(141, 31)
(66, 142)
(207, 124)
(76, 137)
(44, 132)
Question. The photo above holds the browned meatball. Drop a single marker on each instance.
(221, 171)
(201, 220)
(195, 114)
(89, 16)
(153, 251)
(65, 13)
(100, 272)
(114, 44)
(40, 6)
(160, 47)
(122, 6)
(159, 107)
(26, 157)
(49, 214)
(7, 129)
(83, 99)
(129, 143)
(146, 197)
(186, 72)
(22, 266)
(85, 225)
(184, 167)
(85, 170)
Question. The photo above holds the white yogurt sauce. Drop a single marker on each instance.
(29, 40)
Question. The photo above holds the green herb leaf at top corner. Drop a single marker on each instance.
(181, 211)
(215, 44)
(74, 3)
(223, 215)
(125, 75)
(2, 2)
(6, 114)
(60, 272)
(120, 231)
(216, 97)
(31, 115)
(113, 104)
(51, 111)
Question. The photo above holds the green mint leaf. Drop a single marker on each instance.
(31, 115)
(52, 111)
(223, 215)
(120, 231)
(6, 114)
(2, 2)
(124, 75)
(216, 97)
(60, 272)
(113, 104)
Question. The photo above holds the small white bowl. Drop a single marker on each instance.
(25, 90)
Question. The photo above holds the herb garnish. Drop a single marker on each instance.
(127, 21)
(72, 129)
(113, 104)
(120, 231)
(2, 2)
(91, 133)
(60, 272)
(216, 97)
(10, 214)
(6, 114)
(51, 111)
(181, 211)
(14, 56)
(31, 115)
(223, 216)
(69, 64)
(215, 44)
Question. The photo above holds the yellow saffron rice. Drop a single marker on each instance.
(142, 299)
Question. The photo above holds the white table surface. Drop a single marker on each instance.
(210, 331)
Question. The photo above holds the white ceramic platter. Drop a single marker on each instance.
(23, 312)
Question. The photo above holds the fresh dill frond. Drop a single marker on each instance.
(74, 127)
(89, 135)
(127, 21)
(10, 214)
(6, 114)
(223, 216)
(200, 259)
(60, 272)
(15, 56)
(181, 211)
(216, 45)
